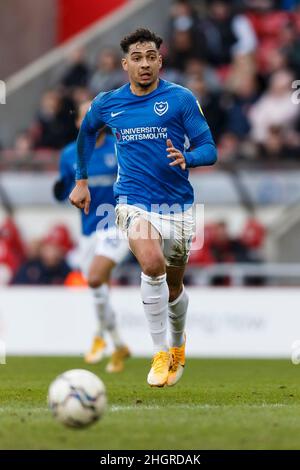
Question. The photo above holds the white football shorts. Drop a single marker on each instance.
(176, 230)
(109, 243)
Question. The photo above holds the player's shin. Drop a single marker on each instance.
(177, 317)
(155, 294)
(100, 299)
(106, 315)
(107, 323)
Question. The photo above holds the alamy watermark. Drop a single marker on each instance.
(180, 224)
(2, 92)
(296, 94)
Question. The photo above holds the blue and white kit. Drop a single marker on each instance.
(99, 232)
(146, 181)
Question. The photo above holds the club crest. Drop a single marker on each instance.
(161, 107)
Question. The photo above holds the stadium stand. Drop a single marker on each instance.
(239, 59)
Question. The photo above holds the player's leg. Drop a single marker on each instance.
(145, 244)
(178, 234)
(98, 277)
(178, 304)
(110, 250)
(87, 247)
(98, 280)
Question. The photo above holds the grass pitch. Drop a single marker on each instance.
(218, 404)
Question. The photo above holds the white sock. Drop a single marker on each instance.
(155, 294)
(106, 315)
(177, 317)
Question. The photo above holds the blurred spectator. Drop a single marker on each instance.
(23, 145)
(246, 42)
(203, 256)
(61, 236)
(229, 148)
(55, 126)
(268, 27)
(21, 155)
(238, 58)
(226, 249)
(33, 248)
(226, 34)
(182, 50)
(184, 33)
(77, 73)
(276, 60)
(220, 247)
(80, 95)
(274, 108)
(195, 67)
(242, 66)
(12, 251)
(108, 74)
(184, 17)
(168, 72)
(275, 148)
(253, 237)
(48, 266)
(244, 94)
(211, 104)
(290, 46)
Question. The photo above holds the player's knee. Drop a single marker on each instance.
(94, 281)
(154, 266)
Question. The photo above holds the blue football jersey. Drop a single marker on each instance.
(102, 170)
(141, 126)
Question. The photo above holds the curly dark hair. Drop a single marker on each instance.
(140, 35)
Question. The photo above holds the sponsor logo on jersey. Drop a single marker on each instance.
(141, 133)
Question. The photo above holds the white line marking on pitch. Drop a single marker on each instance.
(203, 406)
(115, 408)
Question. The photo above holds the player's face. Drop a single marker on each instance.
(142, 62)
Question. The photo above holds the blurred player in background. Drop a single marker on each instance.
(151, 119)
(100, 249)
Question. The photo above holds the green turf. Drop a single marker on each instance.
(218, 404)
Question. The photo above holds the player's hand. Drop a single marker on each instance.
(176, 155)
(80, 196)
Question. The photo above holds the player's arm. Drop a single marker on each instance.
(204, 150)
(80, 196)
(65, 183)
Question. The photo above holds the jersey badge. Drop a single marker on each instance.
(161, 107)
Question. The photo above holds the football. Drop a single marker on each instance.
(77, 398)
